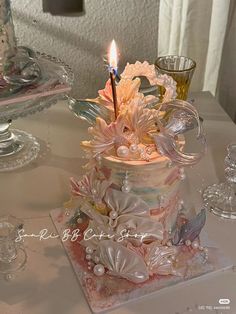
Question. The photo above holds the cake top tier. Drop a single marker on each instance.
(141, 128)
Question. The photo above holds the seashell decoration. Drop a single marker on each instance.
(141, 121)
(122, 262)
(90, 186)
(160, 259)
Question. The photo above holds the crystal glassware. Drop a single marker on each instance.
(29, 82)
(18, 148)
(12, 255)
(220, 198)
(181, 69)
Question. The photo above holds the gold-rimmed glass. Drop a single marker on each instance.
(181, 69)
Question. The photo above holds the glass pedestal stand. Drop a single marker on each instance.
(18, 148)
(220, 198)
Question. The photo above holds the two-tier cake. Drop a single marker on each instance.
(133, 226)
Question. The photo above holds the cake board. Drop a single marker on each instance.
(107, 292)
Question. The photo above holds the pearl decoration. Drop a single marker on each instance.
(99, 270)
(98, 158)
(125, 188)
(94, 191)
(82, 188)
(162, 200)
(9, 277)
(133, 148)
(149, 150)
(182, 175)
(113, 214)
(89, 250)
(125, 184)
(88, 257)
(187, 242)
(195, 245)
(122, 151)
(79, 220)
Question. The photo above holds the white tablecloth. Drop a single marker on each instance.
(48, 285)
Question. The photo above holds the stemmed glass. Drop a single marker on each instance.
(220, 198)
(12, 254)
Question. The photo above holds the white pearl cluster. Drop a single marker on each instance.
(180, 205)
(93, 262)
(125, 184)
(125, 152)
(122, 151)
(182, 175)
(196, 246)
(133, 148)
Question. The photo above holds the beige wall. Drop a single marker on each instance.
(81, 41)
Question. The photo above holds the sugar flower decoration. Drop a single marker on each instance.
(127, 90)
(105, 136)
(90, 186)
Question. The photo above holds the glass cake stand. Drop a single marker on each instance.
(18, 148)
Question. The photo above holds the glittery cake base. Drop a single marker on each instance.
(107, 292)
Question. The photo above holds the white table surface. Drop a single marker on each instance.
(48, 285)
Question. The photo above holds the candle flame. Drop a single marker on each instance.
(113, 55)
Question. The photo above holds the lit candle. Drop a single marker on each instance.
(113, 70)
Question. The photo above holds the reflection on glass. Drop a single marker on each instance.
(181, 69)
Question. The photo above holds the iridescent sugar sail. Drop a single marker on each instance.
(130, 193)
